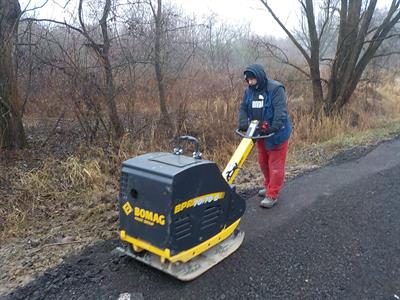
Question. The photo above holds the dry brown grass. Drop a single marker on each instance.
(72, 188)
(51, 191)
(364, 121)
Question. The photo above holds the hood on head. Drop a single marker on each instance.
(260, 74)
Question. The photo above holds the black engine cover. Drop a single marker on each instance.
(174, 201)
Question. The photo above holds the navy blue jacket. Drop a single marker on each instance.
(275, 110)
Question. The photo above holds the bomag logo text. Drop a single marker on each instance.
(208, 198)
(148, 217)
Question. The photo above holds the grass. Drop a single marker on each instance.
(82, 187)
(319, 152)
(52, 192)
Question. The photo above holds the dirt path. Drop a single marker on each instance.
(334, 235)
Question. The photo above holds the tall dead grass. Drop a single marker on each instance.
(74, 187)
(372, 114)
(52, 190)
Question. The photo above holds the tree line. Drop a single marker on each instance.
(110, 51)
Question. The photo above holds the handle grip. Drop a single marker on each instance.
(258, 137)
(178, 148)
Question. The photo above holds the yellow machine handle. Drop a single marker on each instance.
(241, 153)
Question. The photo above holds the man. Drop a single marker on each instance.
(265, 100)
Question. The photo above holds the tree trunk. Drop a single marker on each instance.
(158, 64)
(116, 123)
(353, 53)
(318, 95)
(12, 134)
(111, 106)
(103, 51)
(313, 61)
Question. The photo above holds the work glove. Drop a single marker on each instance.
(270, 130)
(266, 129)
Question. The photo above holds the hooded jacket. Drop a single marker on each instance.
(274, 110)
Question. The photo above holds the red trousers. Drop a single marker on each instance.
(272, 164)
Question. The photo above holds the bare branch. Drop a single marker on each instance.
(386, 54)
(84, 31)
(382, 38)
(289, 34)
(330, 9)
(284, 60)
(53, 21)
(25, 10)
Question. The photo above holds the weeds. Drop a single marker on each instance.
(52, 190)
(82, 188)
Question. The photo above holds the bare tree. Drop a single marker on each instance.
(12, 134)
(158, 20)
(102, 50)
(357, 44)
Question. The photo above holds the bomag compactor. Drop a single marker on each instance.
(180, 214)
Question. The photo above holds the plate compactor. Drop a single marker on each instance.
(179, 214)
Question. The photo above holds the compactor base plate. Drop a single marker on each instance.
(197, 265)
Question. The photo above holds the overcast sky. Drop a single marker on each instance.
(236, 12)
(246, 11)
(253, 12)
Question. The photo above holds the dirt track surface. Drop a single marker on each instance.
(333, 235)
